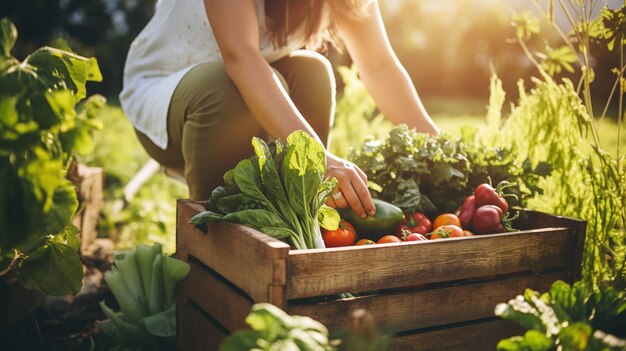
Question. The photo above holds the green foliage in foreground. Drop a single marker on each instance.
(567, 318)
(275, 330)
(40, 130)
(143, 283)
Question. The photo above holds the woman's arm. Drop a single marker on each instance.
(381, 71)
(235, 27)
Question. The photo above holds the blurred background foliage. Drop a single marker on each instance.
(449, 47)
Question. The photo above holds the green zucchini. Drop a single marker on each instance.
(385, 221)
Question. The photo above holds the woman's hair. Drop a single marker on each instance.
(286, 16)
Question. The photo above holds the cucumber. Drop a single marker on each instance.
(385, 221)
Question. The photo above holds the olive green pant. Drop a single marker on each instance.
(210, 127)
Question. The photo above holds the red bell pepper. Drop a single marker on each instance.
(415, 223)
(466, 214)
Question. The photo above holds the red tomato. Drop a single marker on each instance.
(415, 237)
(445, 219)
(365, 242)
(447, 231)
(414, 223)
(344, 235)
(387, 239)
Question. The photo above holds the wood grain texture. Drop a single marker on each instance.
(240, 254)
(322, 272)
(430, 307)
(467, 337)
(194, 330)
(538, 219)
(90, 193)
(216, 298)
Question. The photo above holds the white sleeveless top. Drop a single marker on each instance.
(177, 38)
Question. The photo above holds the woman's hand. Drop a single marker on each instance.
(352, 188)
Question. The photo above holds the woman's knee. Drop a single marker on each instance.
(311, 67)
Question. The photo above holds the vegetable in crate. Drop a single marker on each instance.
(385, 221)
(434, 174)
(414, 223)
(279, 191)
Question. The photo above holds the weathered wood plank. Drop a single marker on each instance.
(537, 220)
(429, 307)
(194, 330)
(240, 254)
(467, 337)
(338, 270)
(216, 298)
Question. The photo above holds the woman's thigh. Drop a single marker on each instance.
(210, 121)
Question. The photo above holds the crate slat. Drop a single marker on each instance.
(240, 254)
(204, 289)
(322, 272)
(195, 330)
(478, 336)
(429, 307)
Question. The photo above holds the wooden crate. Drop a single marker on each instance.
(438, 295)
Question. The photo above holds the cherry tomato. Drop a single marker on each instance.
(344, 235)
(445, 219)
(435, 236)
(365, 242)
(454, 231)
(414, 223)
(415, 237)
(387, 239)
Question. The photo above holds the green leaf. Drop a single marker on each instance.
(65, 69)
(248, 180)
(575, 337)
(269, 321)
(127, 332)
(64, 205)
(45, 174)
(131, 302)
(532, 340)
(53, 269)
(155, 294)
(526, 24)
(68, 236)
(521, 312)
(8, 36)
(241, 340)
(174, 270)
(206, 217)
(328, 218)
(303, 168)
(268, 222)
(162, 324)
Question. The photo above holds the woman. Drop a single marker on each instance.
(203, 78)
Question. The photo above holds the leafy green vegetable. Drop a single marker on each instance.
(434, 174)
(273, 329)
(279, 191)
(567, 317)
(143, 283)
(40, 130)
